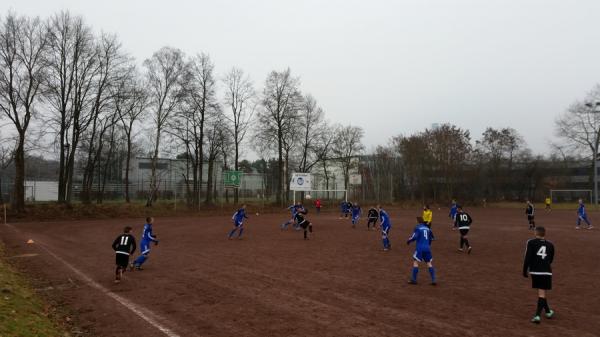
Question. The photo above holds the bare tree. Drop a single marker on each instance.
(312, 122)
(23, 42)
(165, 73)
(72, 68)
(280, 102)
(347, 145)
(131, 101)
(239, 96)
(218, 142)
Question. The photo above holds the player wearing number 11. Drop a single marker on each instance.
(538, 260)
(124, 246)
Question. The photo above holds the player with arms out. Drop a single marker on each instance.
(124, 246)
(582, 216)
(304, 223)
(530, 211)
(147, 239)
(238, 222)
(372, 217)
(356, 213)
(539, 255)
(423, 236)
(463, 223)
(386, 225)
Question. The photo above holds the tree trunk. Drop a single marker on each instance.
(18, 201)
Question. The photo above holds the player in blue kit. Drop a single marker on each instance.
(356, 213)
(452, 214)
(238, 222)
(386, 225)
(582, 216)
(293, 210)
(147, 238)
(423, 236)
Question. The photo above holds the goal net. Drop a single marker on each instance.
(328, 198)
(570, 196)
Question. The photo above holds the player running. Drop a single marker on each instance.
(124, 246)
(293, 210)
(582, 215)
(304, 223)
(423, 236)
(356, 213)
(386, 225)
(147, 239)
(538, 263)
(530, 211)
(372, 217)
(427, 216)
(452, 214)
(238, 222)
(463, 223)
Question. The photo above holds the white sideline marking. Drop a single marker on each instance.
(145, 314)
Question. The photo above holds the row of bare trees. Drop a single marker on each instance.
(77, 93)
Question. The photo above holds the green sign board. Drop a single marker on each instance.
(232, 178)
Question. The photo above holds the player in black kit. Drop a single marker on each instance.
(530, 211)
(463, 222)
(124, 246)
(302, 222)
(538, 260)
(372, 217)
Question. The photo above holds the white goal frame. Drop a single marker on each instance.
(591, 200)
(309, 192)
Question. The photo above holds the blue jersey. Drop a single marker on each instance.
(581, 211)
(423, 236)
(344, 206)
(384, 218)
(147, 233)
(453, 210)
(239, 216)
(356, 212)
(293, 209)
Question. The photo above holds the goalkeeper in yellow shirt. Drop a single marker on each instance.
(548, 204)
(427, 216)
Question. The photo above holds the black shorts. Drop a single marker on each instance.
(464, 232)
(372, 221)
(530, 218)
(122, 260)
(305, 224)
(541, 282)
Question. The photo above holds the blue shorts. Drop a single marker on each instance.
(145, 247)
(237, 224)
(422, 256)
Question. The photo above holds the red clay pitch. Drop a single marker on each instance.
(339, 283)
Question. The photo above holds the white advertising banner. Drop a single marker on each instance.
(301, 182)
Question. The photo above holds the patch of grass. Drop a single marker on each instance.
(22, 313)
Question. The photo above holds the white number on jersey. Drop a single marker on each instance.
(425, 234)
(463, 217)
(542, 252)
(124, 240)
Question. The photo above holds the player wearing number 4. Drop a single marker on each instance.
(538, 260)
(463, 223)
(582, 216)
(423, 236)
(124, 246)
(238, 222)
(147, 239)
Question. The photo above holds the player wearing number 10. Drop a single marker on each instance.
(423, 236)
(463, 223)
(538, 260)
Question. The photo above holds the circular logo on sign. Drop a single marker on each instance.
(300, 181)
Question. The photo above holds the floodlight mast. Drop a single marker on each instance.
(595, 108)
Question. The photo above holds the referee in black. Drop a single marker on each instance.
(538, 261)
(124, 246)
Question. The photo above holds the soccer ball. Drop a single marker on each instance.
(307, 197)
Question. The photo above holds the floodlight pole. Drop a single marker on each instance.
(595, 108)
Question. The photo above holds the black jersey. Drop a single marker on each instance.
(463, 220)
(530, 210)
(300, 218)
(373, 214)
(538, 257)
(124, 244)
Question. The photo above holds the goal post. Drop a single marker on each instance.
(567, 196)
(321, 194)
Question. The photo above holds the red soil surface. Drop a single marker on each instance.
(339, 283)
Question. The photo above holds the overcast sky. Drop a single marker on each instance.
(392, 67)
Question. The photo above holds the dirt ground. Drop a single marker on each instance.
(339, 283)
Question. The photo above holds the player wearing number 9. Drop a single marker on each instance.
(539, 255)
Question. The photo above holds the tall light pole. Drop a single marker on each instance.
(595, 108)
